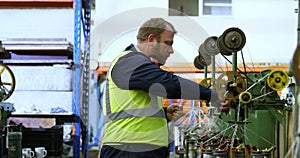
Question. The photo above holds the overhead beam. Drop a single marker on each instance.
(36, 4)
(190, 68)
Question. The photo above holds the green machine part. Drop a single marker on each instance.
(3, 116)
(261, 131)
(254, 121)
(6, 109)
(257, 120)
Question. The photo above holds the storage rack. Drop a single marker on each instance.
(81, 60)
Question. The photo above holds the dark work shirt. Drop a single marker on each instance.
(136, 71)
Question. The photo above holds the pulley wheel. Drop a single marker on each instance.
(296, 65)
(234, 39)
(202, 50)
(7, 82)
(245, 97)
(198, 64)
(222, 48)
(210, 45)
(230, 84)
(204, 54)
(277, 80)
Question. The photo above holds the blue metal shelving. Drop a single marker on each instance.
(80, 102)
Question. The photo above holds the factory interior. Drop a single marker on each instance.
(55, 55)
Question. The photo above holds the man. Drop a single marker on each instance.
(136, 124)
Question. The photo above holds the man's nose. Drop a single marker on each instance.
(171, 50)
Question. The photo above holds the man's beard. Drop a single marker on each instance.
(156, 54)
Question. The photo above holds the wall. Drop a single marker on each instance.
(271, 32)
(37, 23)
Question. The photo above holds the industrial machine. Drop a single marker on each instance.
(250, 128)
(7, 87)
(13, 146)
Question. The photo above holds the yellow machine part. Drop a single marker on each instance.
(245, 97)
(277, 80)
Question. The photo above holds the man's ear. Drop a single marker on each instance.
(151, 38)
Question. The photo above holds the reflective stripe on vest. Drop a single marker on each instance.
(153, 112)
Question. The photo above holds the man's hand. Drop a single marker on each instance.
(174, 111)
(218, 102)
(225, 106)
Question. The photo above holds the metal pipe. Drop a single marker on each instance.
(205, 71)
(213, 67)
(234, 61)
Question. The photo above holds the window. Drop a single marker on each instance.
(205, 7)
(217, 7)
(183, 7)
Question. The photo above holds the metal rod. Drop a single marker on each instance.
(213, 67)
(256, 82)
(205, 71)
(234, 61)
(262, 95)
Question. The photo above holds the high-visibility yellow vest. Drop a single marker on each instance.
(133, 116)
